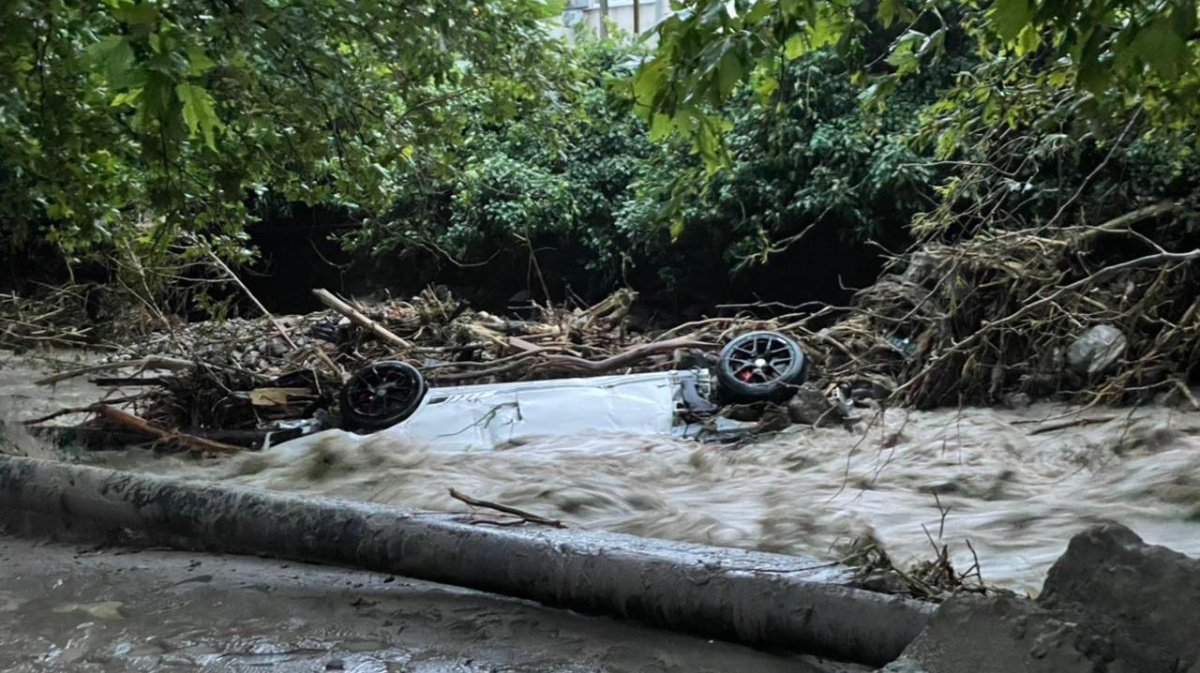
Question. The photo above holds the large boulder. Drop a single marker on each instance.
(1144, 599)
(996, 634)
(1111, 604)
(810, 406)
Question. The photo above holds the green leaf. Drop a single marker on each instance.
(141, 14)
(825, 31)
(113, 55)
(729, 72)
(766, 87)
(127, 98)
(758, 12)
(1093, 75)
(795, 47)
(1159, 45)
(1028, 40)
(648, 82)
(553, 8)
(661, 126)
(890, 10)
(904, 53)
(1010, 16)
(199, 112)
(677, 227)
(198, 61)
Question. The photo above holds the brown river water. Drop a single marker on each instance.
(1013, 482)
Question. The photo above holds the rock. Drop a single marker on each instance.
(774, 418)
(998, 634)
(1096, 350)
(1111, 604)
(810, 406)
(885, 581)
(1016, 401)
(276, 348)
(1145, 598)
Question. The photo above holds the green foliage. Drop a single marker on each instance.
(553, 176)
(145, 129)
(576, 175)
(809, 156)
(1128, 54)
(149, 118)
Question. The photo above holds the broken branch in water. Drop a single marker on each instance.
(76, 410)
(128, 420)
(525, 516)
(1072, 423)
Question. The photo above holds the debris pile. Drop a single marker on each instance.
(56, 317)
(237, 380)
(1104, 313)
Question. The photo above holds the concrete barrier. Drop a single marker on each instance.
(750, 597)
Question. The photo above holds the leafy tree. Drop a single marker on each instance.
(1124, 53)
(551, 178)
(574, 178)
(137, 120)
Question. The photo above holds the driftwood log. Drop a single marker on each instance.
(127, 420)
(358, 318)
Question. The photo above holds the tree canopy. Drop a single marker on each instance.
(463, 135)
(1125, 54)
(145, 118)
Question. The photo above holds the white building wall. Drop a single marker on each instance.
(620, 13)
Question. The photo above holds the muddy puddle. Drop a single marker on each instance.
(1017, 484)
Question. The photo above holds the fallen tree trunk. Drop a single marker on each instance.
(751, 597)
(358, 318)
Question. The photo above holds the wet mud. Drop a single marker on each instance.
(101, 609)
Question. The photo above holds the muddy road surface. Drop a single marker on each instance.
(92, 610)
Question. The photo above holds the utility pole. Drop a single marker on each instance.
(603, 19)
(637, 17)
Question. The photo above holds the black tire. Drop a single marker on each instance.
(381, 395)
(760, 366)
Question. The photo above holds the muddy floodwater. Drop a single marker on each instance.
(1016, 483)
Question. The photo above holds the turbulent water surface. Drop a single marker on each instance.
(1017, 484)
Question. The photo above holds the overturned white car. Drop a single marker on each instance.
(392, 398)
